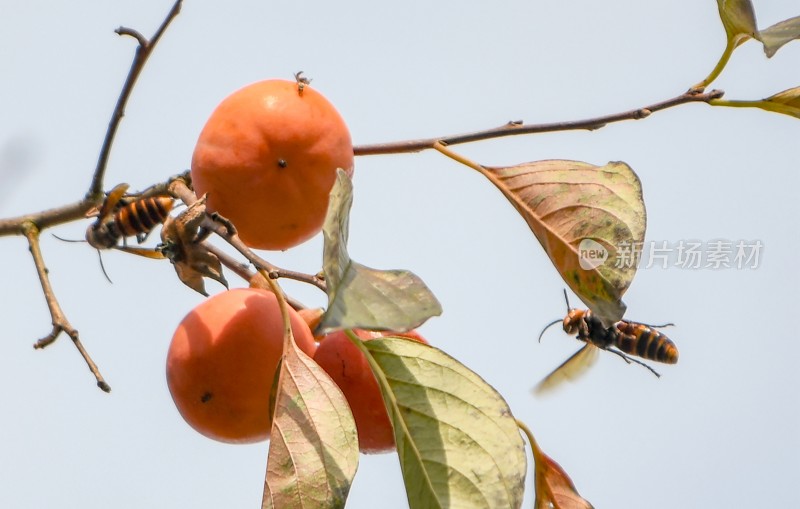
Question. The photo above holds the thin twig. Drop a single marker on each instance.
(143, 52)
(75, 211)
(517, 128)
(60, 322)
(243, 270)
(46, 218)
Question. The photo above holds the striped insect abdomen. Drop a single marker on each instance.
(645, 342)
(141, 216)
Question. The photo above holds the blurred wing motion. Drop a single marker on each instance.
(569, 370)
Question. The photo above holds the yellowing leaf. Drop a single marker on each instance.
(739, 20)
(361, 297)
(458, 444)
(779, 34)
(313, 453)
(589, 219)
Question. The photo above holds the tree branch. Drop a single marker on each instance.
(243, 271)
(59, 319)
(46, 218)
(143, 52)
(31, 225)
(517, 128)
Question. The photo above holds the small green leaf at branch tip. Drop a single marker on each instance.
(786, 103)
(362, 297)
(313, 453)
(457, 441)
(779, 34)
(739, 19)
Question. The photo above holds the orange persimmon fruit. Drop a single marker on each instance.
(222, 361)
(348, 367)
(267, 157)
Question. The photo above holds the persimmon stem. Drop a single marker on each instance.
(518, 127)
(59, 319)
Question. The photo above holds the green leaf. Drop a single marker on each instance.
(362, 297)
(577, 210)
(739, 19)
(779, 34)
(313, 453)
(458, 444)
(786, 102)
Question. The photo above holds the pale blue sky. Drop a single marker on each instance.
(717, 430)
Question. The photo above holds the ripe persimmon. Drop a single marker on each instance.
(348, 367)
(222, 361)
(267, 157)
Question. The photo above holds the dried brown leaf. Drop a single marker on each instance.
(181, 239)
(554, 488)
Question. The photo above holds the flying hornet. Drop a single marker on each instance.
(624, 338)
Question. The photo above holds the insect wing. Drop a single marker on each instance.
(140, 251)
(569, 370)
(114, 196)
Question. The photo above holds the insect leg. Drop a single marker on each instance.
(670, 324)
(629, 359)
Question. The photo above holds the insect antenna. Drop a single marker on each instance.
(566, 299)
(103, 267)
(629, 359)
(99, 255)
(547, 327)
(670, 324)
(62, 239)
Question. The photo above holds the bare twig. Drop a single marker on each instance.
(143, 52)
(31, 225)
(60, 322)
(46, 218)
(243, 270)
(517, 128)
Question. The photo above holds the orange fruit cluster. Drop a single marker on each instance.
(267, 160)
